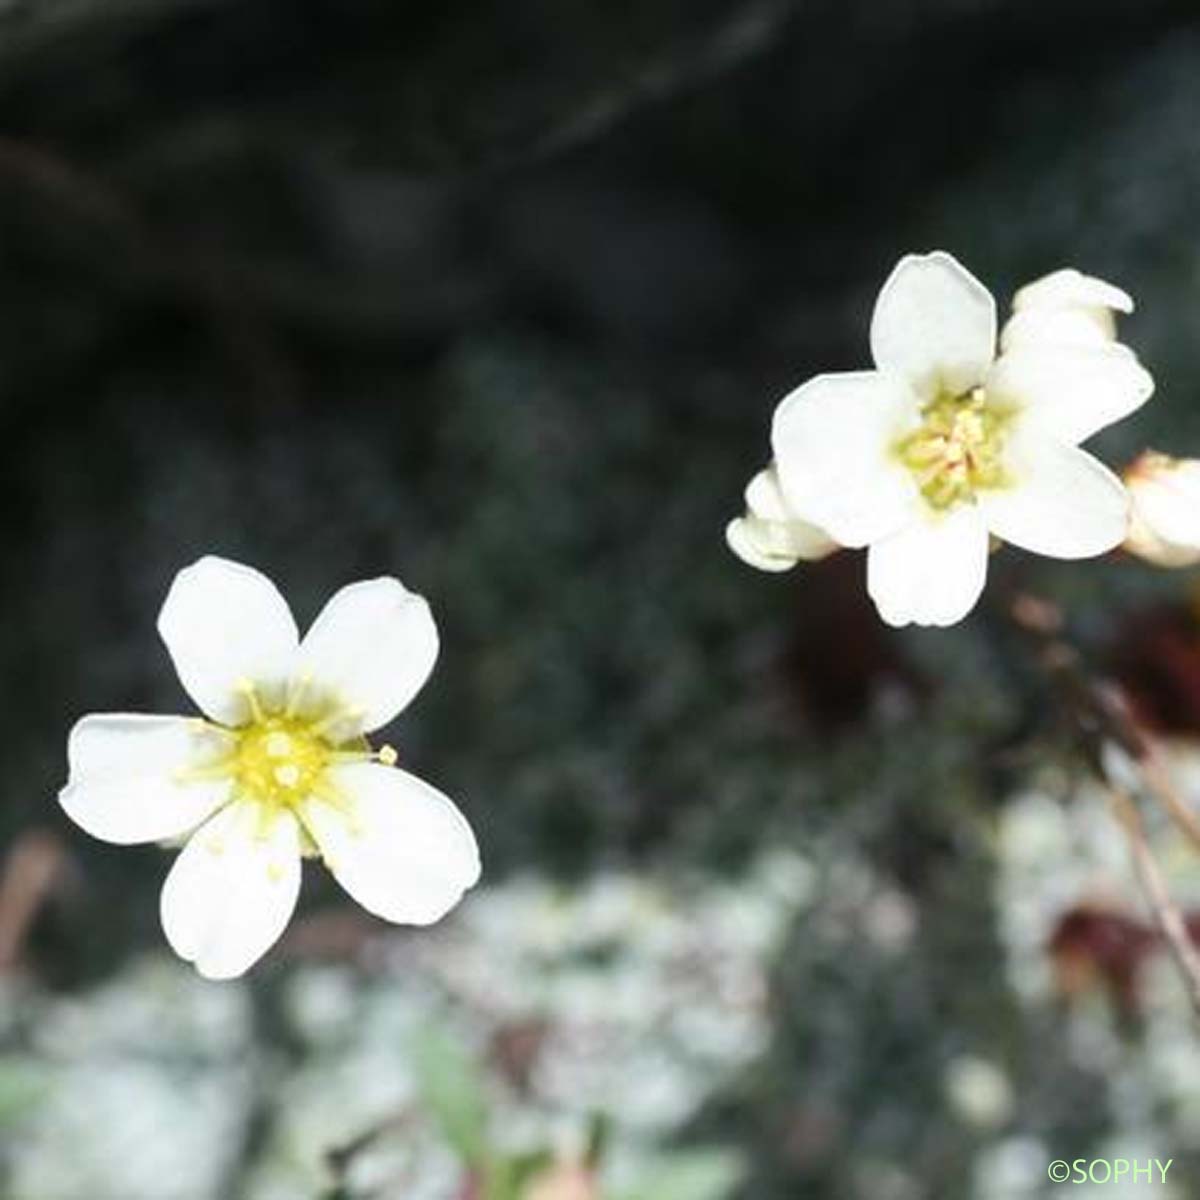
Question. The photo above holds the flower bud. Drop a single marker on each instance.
(771, 537)
(1164, 524)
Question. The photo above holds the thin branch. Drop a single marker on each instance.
(1102, 721)
(340, 1157)
(1166, 912)
(1162, 786)
(749, 33)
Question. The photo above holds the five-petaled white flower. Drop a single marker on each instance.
(945, 444)
(1164, 523)
(280, 768)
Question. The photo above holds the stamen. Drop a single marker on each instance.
(328, 791)
(296, 689)
(958, 448)
(331, 719)
(385, 754)
(344, 758)
(223, 769)
(247, 689)
(341, 802)
(280, 761)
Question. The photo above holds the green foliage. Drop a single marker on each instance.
(688, 1175)
(452, 1089)
(22, 1087)
(507, 1176)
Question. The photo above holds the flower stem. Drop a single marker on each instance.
(1107, 733)
(1166, 912)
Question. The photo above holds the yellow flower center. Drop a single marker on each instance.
(280, 759)
(958, 449)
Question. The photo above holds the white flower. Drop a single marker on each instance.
(944, 444)
(770, 537)
(1164, 523)
(280, 768)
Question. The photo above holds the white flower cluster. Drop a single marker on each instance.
(958, 439)
(640, 999)
(633, 998)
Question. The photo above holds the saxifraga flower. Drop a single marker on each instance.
(278, 768)
(946, 444)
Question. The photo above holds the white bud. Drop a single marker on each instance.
(770, 536)
(1164, 524)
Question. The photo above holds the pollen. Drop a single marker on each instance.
(958, 449)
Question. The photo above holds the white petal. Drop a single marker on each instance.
(1049, 327)
(1071, 391)
(931, 572)
(754, 542)
(371, 649)
(833, 440)
(124, 780)
(1068, 288)
(224, 623)
(935, 324)
(764, 497)
(401, 848)
(1061, 502)
(232, 890)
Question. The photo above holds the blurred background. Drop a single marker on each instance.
(499, 297)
